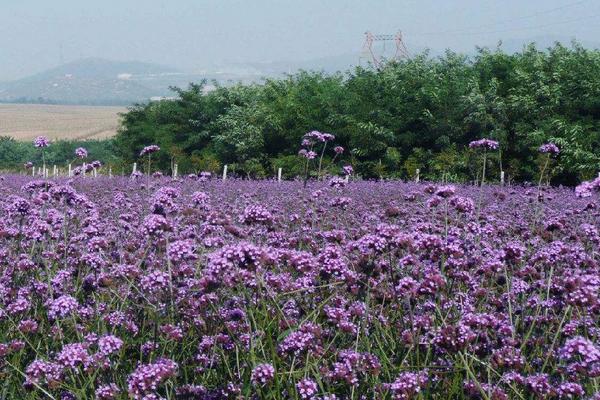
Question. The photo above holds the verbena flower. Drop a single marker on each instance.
(41, 142)
(63, 306)
(587, 188)
(73, 356)
(109, 344)
(407, 385)
(263, 374)
(484, 144)
(147, 377)
(549, 148)
(149, 150)
(81, 152)
(107, 392)
(307, 388)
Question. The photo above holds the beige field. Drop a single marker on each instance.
(26, 121)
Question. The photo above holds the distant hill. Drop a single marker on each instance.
(94, 81)
(90, 81)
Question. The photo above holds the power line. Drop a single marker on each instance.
(549, 11)
(507, 21)
(530, 27)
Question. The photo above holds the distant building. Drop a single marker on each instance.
(160, 98)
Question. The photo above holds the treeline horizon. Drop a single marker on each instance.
(420, 113)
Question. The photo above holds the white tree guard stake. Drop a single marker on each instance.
(279, 174)
(110, 172)
(502, 178)
(84, 168)
(134, 168)
(54, 171)
(95, 173)
(417, 173)
(347, 178)
(70, 171)
(32, 171)
(225, 172)
(174, 171)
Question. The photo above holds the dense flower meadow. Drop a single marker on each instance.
(153, 288)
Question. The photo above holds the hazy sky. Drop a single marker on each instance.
(191, 34)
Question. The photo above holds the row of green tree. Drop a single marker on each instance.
(419, 113)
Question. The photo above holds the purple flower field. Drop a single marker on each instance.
(150, 288)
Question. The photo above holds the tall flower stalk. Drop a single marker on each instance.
(147, 151)
(82, 154)
(309, 144)
(485, 145)
(41, 142)
(551, 150)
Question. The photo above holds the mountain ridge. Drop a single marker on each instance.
(98, 81)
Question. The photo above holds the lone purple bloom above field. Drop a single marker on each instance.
(80, 152)
(41, 142)
(149, 150)
(316, 136)
(549, 148)
(484, 144)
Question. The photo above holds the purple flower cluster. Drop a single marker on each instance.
(484, 144)
(96, 164)
(146, 378)
(149, 150)
(316, 136)
(549, 148)
(263, 374)
(256, 214)
(407, 386)
(80, 152)
(586, 189)
(309, 154)
(41, 142)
